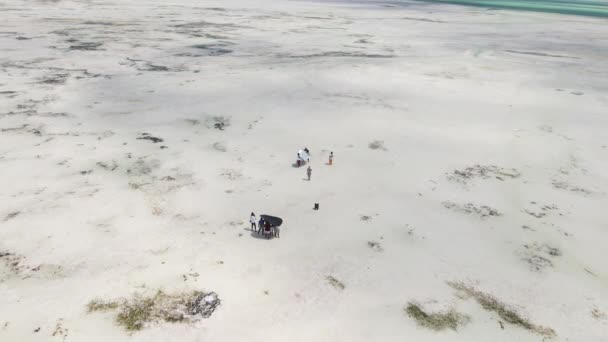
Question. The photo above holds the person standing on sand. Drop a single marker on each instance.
(267, 230)
(260, 225)
(331, 158)
(309, 172)
(252, 219)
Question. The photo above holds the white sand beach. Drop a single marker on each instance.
(469, 173)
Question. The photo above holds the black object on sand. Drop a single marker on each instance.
(274, 221)
(316, 206)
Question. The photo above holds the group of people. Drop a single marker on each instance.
(303, 157)
(307, 155)
(269, 230)
(264, 227)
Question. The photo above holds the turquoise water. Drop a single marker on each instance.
(595, 8)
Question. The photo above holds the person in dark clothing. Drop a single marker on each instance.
(267, 229)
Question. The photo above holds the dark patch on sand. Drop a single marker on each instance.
(218, 122)
(436, 320)
(377, 145)
(153, 67)
(505, 312)
(424, 20)
(16, 263)
(335, 282)
(470, 208)
(111, 166)
(374, 245)
(220, 147)
(85, 46)
(337, 54)
(538, 256)
(213, 49)
(544, 210)
(147, 136)
(55, 78)
(12, 215)
(540, 54)
(563, 185)
(483, 172)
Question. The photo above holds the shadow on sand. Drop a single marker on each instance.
(258, 236)
(261, 237)
(296, 165)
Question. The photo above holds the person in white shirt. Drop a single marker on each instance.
(253, 221)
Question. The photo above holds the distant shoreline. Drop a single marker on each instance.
(583, 8)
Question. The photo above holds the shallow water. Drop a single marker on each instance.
(596, 8)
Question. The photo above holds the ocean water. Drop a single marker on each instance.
(595, 8)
